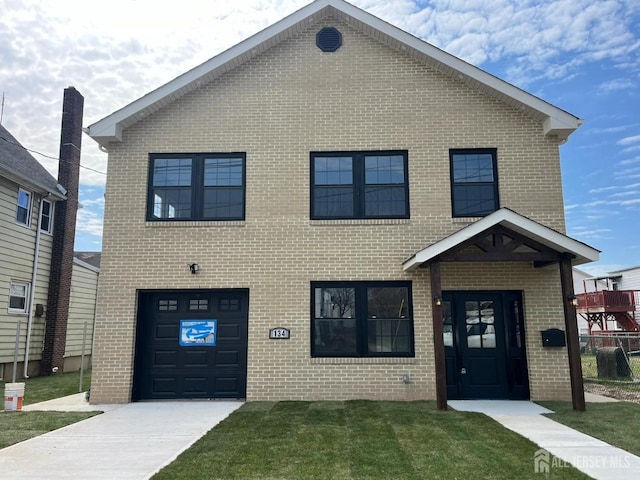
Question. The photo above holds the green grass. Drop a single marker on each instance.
(614, 423)
(19, 426)
(357, 440)
(39, 389)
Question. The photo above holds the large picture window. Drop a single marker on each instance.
(206, 186)
(361, 319)
(474, 182)
(359, 185)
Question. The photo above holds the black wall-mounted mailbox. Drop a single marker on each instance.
(553, 338)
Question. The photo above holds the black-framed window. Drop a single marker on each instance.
(203, 186)
(359, 185)
(474, 182)
(46, 218)
(361, 319)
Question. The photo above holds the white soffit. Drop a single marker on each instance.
(582, 252)
(555, 121)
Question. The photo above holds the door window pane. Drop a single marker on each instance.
(480, 326)
(447, 324)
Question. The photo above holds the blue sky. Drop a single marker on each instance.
(581, 55)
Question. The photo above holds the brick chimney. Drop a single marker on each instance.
(64, 230)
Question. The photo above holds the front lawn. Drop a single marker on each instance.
(39, 389)
(615, 423)
(19, 426)
(357, 440)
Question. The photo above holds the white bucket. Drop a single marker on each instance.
(13, 396)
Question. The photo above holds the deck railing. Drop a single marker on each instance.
(620, 300)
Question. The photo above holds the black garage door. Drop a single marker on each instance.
(191, 344)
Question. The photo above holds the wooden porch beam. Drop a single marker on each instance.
(438, 339)
(571, 326)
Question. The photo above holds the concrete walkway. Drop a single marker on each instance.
(559, 444)
(131, 441)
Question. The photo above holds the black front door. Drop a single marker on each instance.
(191, 344)
(484, 347)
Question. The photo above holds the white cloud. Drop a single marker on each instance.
(601, 270)
(630, 161)
(629, 140)
(614, 187)
(90, 222)
(617, 84)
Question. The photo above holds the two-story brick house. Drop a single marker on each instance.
(396, 212)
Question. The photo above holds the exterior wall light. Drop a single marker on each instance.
(193, 267)
(573, 300)
(437, 300)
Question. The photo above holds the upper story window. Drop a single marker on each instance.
(23, 212)
(474, 182)
(46, 218)
(361, 319)
(204, 186)
(359, 185)
(18, 297)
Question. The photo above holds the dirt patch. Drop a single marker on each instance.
(629, 393)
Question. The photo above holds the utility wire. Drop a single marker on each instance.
(48, 156)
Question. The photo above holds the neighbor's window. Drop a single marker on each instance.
(46, 219)
(18, 295)
(359, 185)
(23, 212)
(361, 319)
(197, 187)
(474, 182)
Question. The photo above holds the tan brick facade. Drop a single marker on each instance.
(277, 108)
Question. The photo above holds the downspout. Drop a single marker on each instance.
(34, 276)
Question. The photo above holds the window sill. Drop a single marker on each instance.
(465, 220)
(196, 223)
(360, 221)
(363, 360)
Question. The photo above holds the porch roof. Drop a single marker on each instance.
(552, 239)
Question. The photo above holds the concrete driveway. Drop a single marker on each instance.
(131, 441)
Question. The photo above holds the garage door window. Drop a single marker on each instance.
(166, 305)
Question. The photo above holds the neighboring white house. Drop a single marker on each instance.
(82, 310)
(628, 279)
(29, 195)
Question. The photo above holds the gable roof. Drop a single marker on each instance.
(555, 121)
(505, 217)
(89, 258)
(19, 166)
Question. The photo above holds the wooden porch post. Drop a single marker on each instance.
(571, 326)
(438, 340)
